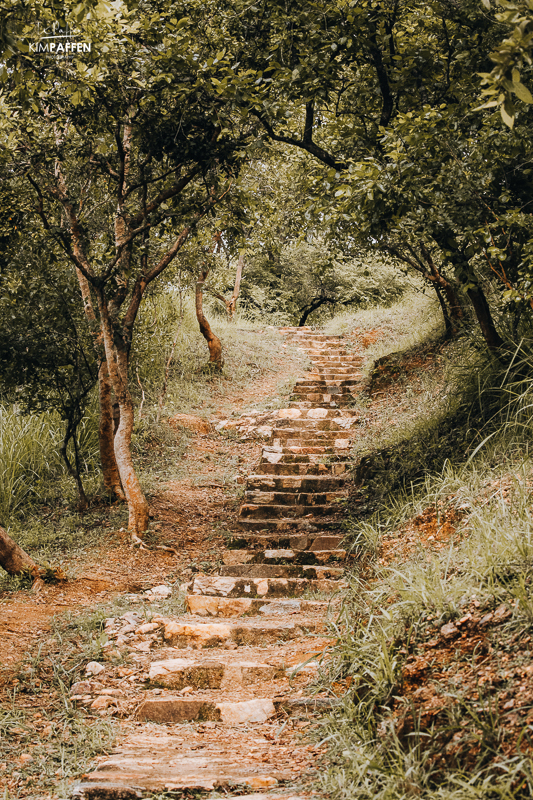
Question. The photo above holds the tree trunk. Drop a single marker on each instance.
(137, 504)
(117, 358)
(237, 287)
(106, 437)
(454, 302)
(13, 558)
(449, 328)
(213, 342)
(74, 471)
(484, 317)
(316, 303)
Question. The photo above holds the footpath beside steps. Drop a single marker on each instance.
(222, 680)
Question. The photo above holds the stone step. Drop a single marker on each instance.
(315, 341)
(283, 556)
(231, 607)
(316, 337)
(323, 384)
(327, 412)
(281, 571)
(304, 468)
(336, 395)
(160, 761)
(222, 586)
(318, 350)
(287, 525)
(342, 405)
(345, 359)
(216, 673)
(315, 400)
(300, 542)
(330, 374)
(321, 448)
(312, 499)
(274, 454)
(332, 423)
(287, 512)
(303, 434)
(294, 705)
(301, 483)
(174, 709)
(183, 634)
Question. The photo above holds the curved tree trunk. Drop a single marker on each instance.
(484, 317)
(448, 324)
(106, 437)
(13, 558)
(316, 303)
(213, 342)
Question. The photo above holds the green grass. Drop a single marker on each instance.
(468, 452)
(414, 320)
(248, 349)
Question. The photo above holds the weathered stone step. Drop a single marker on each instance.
(197, 635)
(274, 454)
(327, 412)
(173, 709)
(315, 337)
(332, 423)
(322, 447)
(304, 468)
(328, 351)
(217, 673)
(279, 525)
(346, 359)
(281, 571)
(293, 705)
(257, 512)
(338, 397)
(260, 587)
(150, 762)
(301, 483)
(322, 383)
(258, 497)
(231, 607)
(322, 344)
(284, 556)
(299, 542)
(303, 434)
(339, 405)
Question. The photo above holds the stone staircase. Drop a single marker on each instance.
(241, 659)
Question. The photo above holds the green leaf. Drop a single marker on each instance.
(522, 92)
(507, 118)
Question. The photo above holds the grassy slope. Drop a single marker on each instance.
(434, 649)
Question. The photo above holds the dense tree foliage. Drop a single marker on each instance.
(399, 128)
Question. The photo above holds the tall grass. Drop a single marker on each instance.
(29, 454)
(30, 459)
